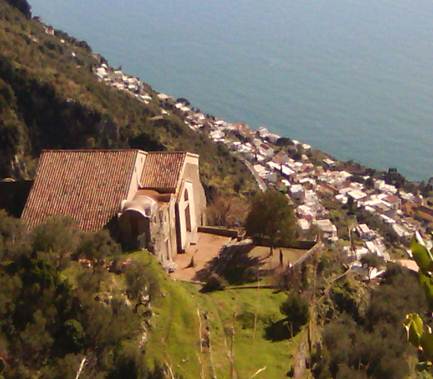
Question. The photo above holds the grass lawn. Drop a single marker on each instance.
(174, 338)
(289, 255)
(231, 312)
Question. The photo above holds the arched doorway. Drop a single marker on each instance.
(187, 211)
(135, 230)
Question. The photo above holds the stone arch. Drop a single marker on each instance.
(135, 230)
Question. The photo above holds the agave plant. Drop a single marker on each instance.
(419, 332)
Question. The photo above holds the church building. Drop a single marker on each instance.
(148, 200)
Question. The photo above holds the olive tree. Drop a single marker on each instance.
(271, 218)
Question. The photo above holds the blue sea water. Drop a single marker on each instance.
(351, 77)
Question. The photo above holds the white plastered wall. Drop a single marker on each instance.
(136, 175)
(186, 237)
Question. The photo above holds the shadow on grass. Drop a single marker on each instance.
(277, 331)
(234, 264)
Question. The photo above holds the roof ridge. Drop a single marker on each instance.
(168, 152)
(90, 150)
(184, 152)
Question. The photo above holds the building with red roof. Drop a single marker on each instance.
(148, 200)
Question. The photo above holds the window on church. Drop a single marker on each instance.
(188, 219)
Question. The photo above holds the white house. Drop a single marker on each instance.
(297, 192)
(328, 229)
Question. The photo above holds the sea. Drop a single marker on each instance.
(353, 78)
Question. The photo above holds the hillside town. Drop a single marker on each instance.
(143, 237)
(376, 215)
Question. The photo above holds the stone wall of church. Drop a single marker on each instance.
(191, 173)
(161, 244)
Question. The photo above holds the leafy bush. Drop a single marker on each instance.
(23, 6)
(214, 283)
(369, 343)
(56, 239)
(227, 211)
(74, 336)
(98, 246)
(47, 326)
(246, 319)
(11, 232)
(141, 280)
(296, 310)
(375, 354)
(271, 217)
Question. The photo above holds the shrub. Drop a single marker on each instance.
(246, 319)
(11, 233)
(57, 238)
(141, 279)
(296, 310)
(74, 335)
(23, 6)
(214, 283)
(98, 246)
(227, 211)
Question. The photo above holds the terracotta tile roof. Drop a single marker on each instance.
(392, 199)
(162, 170)
(87, 185)
(425, 209)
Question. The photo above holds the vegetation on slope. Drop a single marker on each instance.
(50, 98)
(57, 315)
(69, 300)
(358, 322)
(23, 6)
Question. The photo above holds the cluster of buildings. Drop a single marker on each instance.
(373, 242)
(121, 81)
(288, 165)
(307, 182)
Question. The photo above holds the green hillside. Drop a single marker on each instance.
(50, 98)
(69, 299)
(175, 337)
(74, 306)
(73, 303)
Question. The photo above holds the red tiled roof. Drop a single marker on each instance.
(162, 170)
(392, 199)
(425, 209)
(87, 185)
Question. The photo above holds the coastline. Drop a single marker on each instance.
(308, 110)
(308, 176)
(327, 194)
(196, 119)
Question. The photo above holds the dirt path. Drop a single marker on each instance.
(299, 369)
